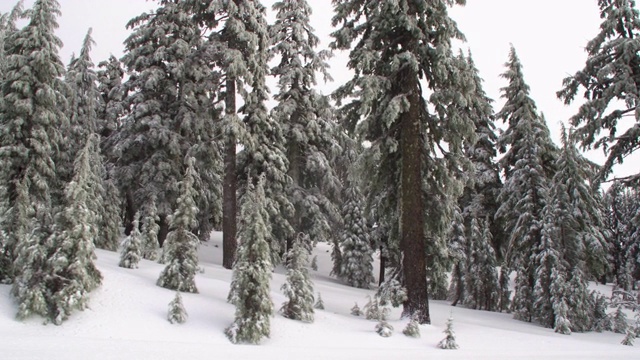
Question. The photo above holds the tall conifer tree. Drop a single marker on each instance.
(401, 49)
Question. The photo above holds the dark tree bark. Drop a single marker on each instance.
(163, 231)
(383, 265)
(229, 196)
(412, 237)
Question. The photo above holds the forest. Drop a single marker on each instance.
(147, 154)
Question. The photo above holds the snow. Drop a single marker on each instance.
(127, 319)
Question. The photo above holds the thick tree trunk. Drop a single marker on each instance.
(229, 199)
(163, 231)
(129, 213)
(412, 238)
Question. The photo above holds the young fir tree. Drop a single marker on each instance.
(621, 204)
(620, 325)
(319, 303)
(449, 342)
(355, 310)
(30, 139)
(459, 250)
(150, 229)
(298, 288)
(356, 266)
(171, 111)
(131, 251)
(307, 120)
(412, 329)
(481, 280)
(251, 274)
(372, 309)
(109, 235)
(73, 272)
(610, 84)
(392, 55)
(177, 314)
(181, 248)
(528, 167)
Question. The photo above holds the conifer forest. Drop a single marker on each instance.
(212, 121)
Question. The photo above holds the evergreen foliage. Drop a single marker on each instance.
(150, 229)
(319, 303)
(32, 99)
(629, 338)
(481, 280)
(412, 329)
(109, 236)
(131, 251)
(398, 44)
(112, 96)
(73, 272)
(356, 265)
(383, 328)
(181, 247)
(177, 313)
(619, 322)
(306, 119)
(391, 291)
(372, 309)
(609, 82)
(251, 274)
(355, 310)
(449, 342)
(298, 288)
(528, 168)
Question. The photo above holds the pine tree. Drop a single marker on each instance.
(355, 310)
(449, 342)
(181, 247)
(629, 338)
(504, 302)
(131, 251)
(177, 313)
(298, 288)
(356, 265)
(306, 119)
(84, 103)
(528, 167)
(252, 272)
(412, 329)
(602, 321)
(383, 328)
(112, 95)
(319, 303)
(32, 99)
(459, 250)
(620, 323)
(171, 113)
(150, 229)
(481, 280)
(392, 54)
(609, 82)
(372, 309)
(109, 236)
(73, 272)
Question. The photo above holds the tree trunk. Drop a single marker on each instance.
(412, 239)
(129, 213)
(229, 199)
(383, 265)
(164, 229)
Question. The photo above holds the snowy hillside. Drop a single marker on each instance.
(127, 320)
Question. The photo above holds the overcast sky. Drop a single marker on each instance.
(549, 37)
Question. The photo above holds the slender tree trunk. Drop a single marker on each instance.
(229, 199)
(129, 213)
(383, 265)
(412, 238)
(163, 231)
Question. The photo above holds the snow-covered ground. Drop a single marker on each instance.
(127, 320)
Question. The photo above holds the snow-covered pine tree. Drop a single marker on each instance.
(307, 121)
(372, 309)
(7, 28)
(622, 208)
(171, 113)
(479, 198)
(549, 278)
(251, 274)
(319, 303)
(150, 229)
(177, 314)
(601, 320)
(459, 249)
(504, 302)
(383, 328)
(609, 82)
(412, 329)
(449, 342)
(131, 251)
(111, 220)
(112, 95)
(33, 95)
(528, 168)
(73, 272)
(481, 283)
(620, 325)
(84, 103)
(629, 338)
(392, 54)
(180, 251)
(355, 310)
(356, 265)
(298, 288)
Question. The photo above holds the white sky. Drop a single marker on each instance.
(549, 37)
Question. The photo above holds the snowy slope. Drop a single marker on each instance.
(127, 320)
